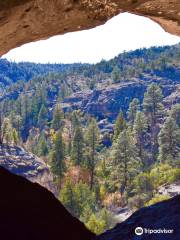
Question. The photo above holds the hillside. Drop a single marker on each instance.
(109, 132)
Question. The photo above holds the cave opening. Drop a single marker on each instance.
(78, 108)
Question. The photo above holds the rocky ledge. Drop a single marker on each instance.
(163, 215)
(29, 211)
(26, 164)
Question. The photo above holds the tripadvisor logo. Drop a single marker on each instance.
(139, 231)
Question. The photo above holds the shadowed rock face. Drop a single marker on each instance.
(23, 163)
(23, 21)
(29, 211)
(162, 215)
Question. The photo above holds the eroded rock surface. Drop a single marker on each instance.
(29, 20)
(106, 102)
(26, 164)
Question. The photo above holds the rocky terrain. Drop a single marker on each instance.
(170, 189)
(106, 102)
(29, 211)
(26, 164)
(163, 215)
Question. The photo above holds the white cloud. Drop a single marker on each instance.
(123, 32)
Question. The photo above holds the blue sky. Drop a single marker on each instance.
(122, 33)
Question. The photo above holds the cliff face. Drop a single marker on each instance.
(31, 20)
(163, 215)
(29, 211)
(107, 102)
(21, 162)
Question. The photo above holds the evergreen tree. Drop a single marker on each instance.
(17, 124)
(153, 109)
(7, 131)
(152, 103)
(134, 106)
(67, 197)
(77, 146)
(124, 159)
(42, 116)
(120, 125)
(175, 113)
(42, 146)
(169, 139)
(58, 156)
(75, 119)
(58, 116)
(92, 141)
(140, 131)
(15, 136)
(116, 74)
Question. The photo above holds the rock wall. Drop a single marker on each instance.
(24, 163)
(23, 21)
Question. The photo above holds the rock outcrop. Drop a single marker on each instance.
(23, 21)
(105, 103)
(29, 211)
(163, 215)
(21, 162)
(170, 190)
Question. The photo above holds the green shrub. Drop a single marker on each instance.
(138, 201)
(156, 199)
(175, 175)
(163, 174)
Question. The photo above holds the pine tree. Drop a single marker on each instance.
(120, 125)
(169, 139)
(116, 74)
(153, 109)
(175, 113)
(77, 146)
(152, 103)
(58, 116)
(17, 123)
(15, 138)
(75, 119)
(42, 116)
(58, 157)
(92, 141)
(67, 197)
(140, 129)
(42, 146)
(124, 159)
(7, 131)
(134, 106)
